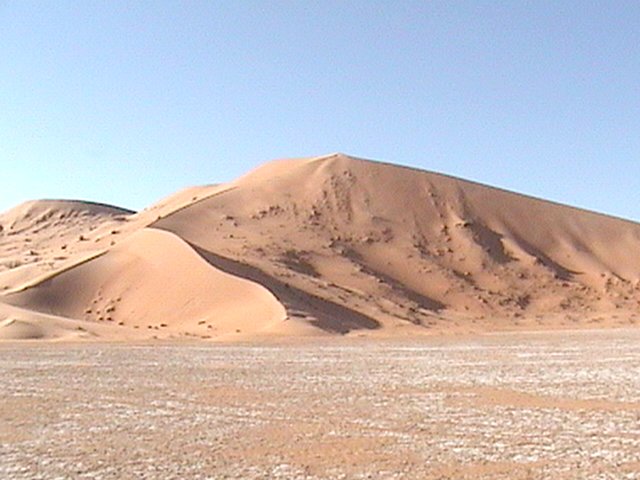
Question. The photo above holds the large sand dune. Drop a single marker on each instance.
(323, 245)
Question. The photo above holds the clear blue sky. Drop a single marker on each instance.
(126, 102)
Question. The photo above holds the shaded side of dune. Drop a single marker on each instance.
(321, 313)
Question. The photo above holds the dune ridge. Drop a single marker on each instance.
(334, 245)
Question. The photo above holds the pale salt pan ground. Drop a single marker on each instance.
(512, 406)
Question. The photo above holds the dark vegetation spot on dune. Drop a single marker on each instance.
(297, 260)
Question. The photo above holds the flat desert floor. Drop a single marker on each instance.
(563, 405)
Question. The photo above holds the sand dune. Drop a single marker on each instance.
(406, 247)
(34, 215)
(334, 244)
(44, 235)
(154, 281)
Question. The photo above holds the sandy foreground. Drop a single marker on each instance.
(560, 405)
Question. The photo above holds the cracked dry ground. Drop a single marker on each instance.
(510, 406)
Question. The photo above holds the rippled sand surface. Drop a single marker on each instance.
(511, 406)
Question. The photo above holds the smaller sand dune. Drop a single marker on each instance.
(37, 214)
(44, 235)
(154, 281)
